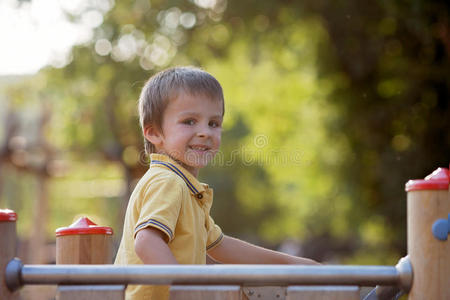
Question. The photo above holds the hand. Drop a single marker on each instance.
(295, 260)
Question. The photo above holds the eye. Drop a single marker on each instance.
(214, 124)
(189, 122)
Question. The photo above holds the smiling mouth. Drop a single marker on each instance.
(199, 148)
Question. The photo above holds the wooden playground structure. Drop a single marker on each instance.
(83, 267)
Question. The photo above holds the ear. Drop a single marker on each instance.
(153, 135)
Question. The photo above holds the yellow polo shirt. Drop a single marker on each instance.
(172, 200)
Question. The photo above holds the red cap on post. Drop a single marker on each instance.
(83, 226)
(438, 180)
(7, 215)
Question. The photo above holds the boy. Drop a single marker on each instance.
(167, 219)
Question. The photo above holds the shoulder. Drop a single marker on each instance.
(159, 178)
(160, 188)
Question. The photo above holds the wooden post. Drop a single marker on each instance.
(428, 247)
(7, 249)
(39, 218)
(84, 242)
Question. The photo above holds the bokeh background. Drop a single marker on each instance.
(331, 106)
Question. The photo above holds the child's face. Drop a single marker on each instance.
(191, 130)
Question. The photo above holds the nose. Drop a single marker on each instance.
(204, 131)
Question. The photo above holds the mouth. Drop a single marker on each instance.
(199, 148)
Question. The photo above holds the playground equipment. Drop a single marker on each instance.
(83, 269)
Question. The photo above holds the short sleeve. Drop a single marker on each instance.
(160, 206)
(215, 235)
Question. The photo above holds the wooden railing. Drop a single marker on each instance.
(84, 270)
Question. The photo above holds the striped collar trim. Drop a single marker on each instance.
(166, 162)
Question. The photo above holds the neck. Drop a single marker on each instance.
(192, 170)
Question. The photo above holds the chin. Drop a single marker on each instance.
(200, 164)
(199, 161)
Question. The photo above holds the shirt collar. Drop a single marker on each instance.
(164, 161)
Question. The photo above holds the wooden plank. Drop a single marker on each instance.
(213, 292)
(323, 293)
(90, 292)
(263, 292)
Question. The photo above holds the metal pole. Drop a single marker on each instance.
(18, 274)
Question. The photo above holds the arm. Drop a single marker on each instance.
(151, 247)
(234, 251)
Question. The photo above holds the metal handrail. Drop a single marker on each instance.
(18, 274)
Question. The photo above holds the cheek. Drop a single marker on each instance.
(218, 138)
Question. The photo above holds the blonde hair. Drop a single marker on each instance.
(165, 85)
